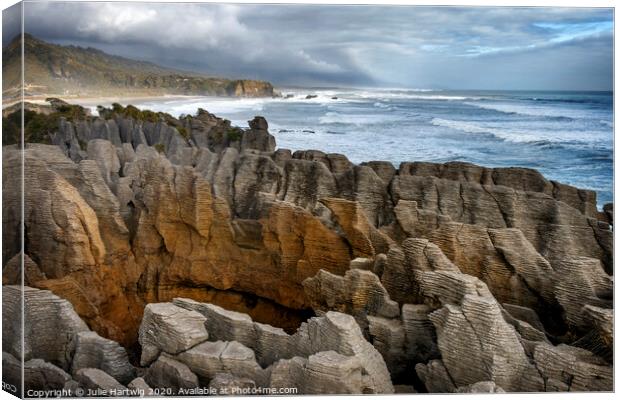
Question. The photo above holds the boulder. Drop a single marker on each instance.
(12, 271)
(324, 372)
(340, 333)
(140, 387)
(358, 293)
(47, 315)
(332, 332)
(210, 358)
(475, 341)
(227, 384)
(170, 374)
(41, 375)
(272, 344)
(435, 377)
(222, 324)
(481, 387)
(97, 382)
(258, 137)
(577, 369)
(171, 329)
(93, 351)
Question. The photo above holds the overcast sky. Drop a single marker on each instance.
(416, 47)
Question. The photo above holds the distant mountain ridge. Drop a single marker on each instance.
(52, 69)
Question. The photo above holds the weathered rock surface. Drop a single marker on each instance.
(340, 333)
(50, 323)
(94, 379)
(481, 387)
(171, 329)
(571, 368)
(140, 387)
(225, 383)
(335, 332)
(448, 277)
(93, 351)
(12, 272)
(358, 293)
(210, 358)
(38, 374)
(600, 339)
(169, 373)
(324, 372)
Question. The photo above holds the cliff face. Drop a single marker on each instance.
(52, 69)
(429, 260)
(249, 88)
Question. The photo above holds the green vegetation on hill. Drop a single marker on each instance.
(132, 112)
(38, 126)
(52, 69)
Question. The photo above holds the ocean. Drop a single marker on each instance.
(567, 136)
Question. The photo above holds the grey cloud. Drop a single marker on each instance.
(342, 45)
(11, 23)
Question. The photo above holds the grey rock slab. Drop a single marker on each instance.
(167, 372)
(93, 351)
(171, 329)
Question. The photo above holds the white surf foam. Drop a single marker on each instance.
(534, 110)
(356, 119)
(522, 136)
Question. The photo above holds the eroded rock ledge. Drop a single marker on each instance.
(447, 277)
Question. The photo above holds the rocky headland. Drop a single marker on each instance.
(186, 253)
(56, 70)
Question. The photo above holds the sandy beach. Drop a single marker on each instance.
(91, 101)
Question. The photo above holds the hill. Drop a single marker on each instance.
(52, 69)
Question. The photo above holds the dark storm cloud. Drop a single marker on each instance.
(11, 23)
(475, 47)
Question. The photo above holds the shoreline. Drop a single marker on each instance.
(288, 227)
(89, 101)
(175, 104)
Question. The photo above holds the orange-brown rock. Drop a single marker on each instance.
(469, 263)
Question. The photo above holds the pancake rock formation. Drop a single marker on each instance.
(186, 253)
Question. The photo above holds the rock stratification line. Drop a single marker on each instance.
(449, 277)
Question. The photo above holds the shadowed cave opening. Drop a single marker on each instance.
(260, 309)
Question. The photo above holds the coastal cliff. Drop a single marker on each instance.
(167, 231)
(55, 70)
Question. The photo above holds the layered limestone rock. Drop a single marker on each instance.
(50, 325)
(140, 387)
(324, 372)
(600, 339)
(170, 374)
(554, 228)
(209, 247)
(249, 88)
(358, 293)
(38, 374)
(481, 387)
(93, 351)
(60, 352)
(477, 343)
(573, 369)
(96, 381)
(225, 383)
(171, 329)
(334, 332)
(504, 259)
